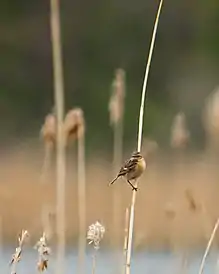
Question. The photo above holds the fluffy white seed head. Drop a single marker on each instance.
(95, 234)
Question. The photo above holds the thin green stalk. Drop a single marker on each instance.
(140, 133)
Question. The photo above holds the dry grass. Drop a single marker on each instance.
(22, 198)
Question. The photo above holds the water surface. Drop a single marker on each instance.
(111, 263)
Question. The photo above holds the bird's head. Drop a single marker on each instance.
(136, 154)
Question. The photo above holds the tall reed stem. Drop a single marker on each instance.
(116, 111)
(46, 163)
(117, 159)
(60, 156)
(140, 133)
(1, 236)
(208, 246)
(81, 203)
(94, 262)
(126, 231)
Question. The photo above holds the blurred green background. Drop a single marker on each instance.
(98, 37)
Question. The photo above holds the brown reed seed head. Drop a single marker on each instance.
(74, 125)
(116, 103)
(48, 130)
(42, 265)
(211, 114)
(179, 133)
(44, 252)
(16, 257)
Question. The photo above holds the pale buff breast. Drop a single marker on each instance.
(138, 171)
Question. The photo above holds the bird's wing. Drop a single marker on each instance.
(128, 166)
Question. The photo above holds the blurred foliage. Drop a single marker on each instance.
(98, 37)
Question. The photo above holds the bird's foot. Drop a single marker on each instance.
(134, 188)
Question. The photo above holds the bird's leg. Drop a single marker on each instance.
(133, 187)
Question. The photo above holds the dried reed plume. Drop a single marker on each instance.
(48, 135)
(116, 111)
(43, 253)
(208, 246)
(179, 132)
(116, 103)
(95, 234)
(74, 125)
(60, 143)
(140, 133)
(16, 257)
(74, 129)
(48, 130)
(211, 118)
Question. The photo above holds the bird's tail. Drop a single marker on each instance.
(113, 181)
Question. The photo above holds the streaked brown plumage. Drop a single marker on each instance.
(132, 169)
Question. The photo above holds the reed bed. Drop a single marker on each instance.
(153, 226)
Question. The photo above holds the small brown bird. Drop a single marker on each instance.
(132, 169)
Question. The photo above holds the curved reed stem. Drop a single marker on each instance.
(141, 114)
(140, 132)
